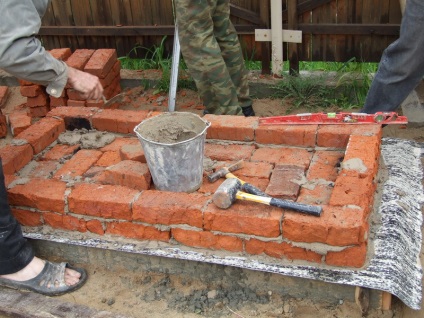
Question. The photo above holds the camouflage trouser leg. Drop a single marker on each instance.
(212, 52)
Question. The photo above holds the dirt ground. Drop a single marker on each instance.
(162, 295)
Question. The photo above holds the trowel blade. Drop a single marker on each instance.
(115, 99)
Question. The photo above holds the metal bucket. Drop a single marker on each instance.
(174, 144)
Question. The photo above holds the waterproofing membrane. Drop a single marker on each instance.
(395, 265)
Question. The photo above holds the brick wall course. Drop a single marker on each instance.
(42, 133)
(244, 218)
(42, 194)
(27, 218)
(15, 157)
(101, 62)
(109, 201)
(18, 122)
(125, 206)
(138, 231)
(167, 208)
(290, 135)
(207, 240)
(236, 128)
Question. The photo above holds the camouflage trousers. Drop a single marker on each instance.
(212, 52)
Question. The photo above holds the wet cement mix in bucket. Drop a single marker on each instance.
(171, 129)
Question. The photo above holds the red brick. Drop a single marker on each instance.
(130, 174)
(66, 222)
(284, 155)
(160, 207)
(351, 189)
(19, 121)
(60, 152)
(111, 76)
(43, 169)
(58, 102)
(95, 226)
(207, 240)
(27, 218)
(259, 170)
(228, 152)
(362, 154)
(4, 94)
(40, 111)
(94, 103)
(32, 91)
(93, 172)
(69, 113)
(325, 165)
(42, 194)
(337, 136)
(42, 133)
(244, 218)
(237, 128)
(25, 83)
(119, 121)
(285, 182)
(80, 58)
(349, 257)
(74, 95)
(3, 126)
(336, 226)
(14, 158)
(40, 100)
(132, 152)
(315, 194)
(101, 62)
(292, 135)
(281, 250)
(78, 164)
(75, 103)
(120, 142)
(61, 54)
(138, 231)
(208, 188)
(107, 201)
(108, 158)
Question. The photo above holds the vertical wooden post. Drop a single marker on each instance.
(264, 11)
(293, 55)
(277, 36)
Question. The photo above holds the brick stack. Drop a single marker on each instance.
(4, 91)
(103, 63)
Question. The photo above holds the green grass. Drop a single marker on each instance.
(350, 81)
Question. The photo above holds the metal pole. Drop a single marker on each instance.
(176, 52)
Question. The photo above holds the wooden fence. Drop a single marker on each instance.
(332, 30)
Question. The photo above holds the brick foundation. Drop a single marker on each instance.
(109, 192)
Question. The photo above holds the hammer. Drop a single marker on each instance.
(226, 172)
(229, 191)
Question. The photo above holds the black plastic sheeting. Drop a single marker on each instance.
(395, 265)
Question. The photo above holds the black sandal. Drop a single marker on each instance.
(50, 282)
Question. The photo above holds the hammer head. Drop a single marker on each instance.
(225, 195)
(223, 171)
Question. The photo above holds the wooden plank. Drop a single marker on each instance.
(292, 48)
(264, 11)
(100, 12)
(118, 20)
(49, 19)
(306, 6)
(81, 13)
(63, 17)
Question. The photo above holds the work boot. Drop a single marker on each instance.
(248, 111)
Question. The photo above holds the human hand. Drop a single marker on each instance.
(87, 84)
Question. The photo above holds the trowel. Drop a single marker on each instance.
(115, 99)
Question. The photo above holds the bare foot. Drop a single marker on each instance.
(35, 267)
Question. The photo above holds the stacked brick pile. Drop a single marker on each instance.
(3, 123)
(102, 63)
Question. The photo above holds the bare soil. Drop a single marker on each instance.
(163, 295)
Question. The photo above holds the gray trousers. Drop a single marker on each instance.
(401, 66)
